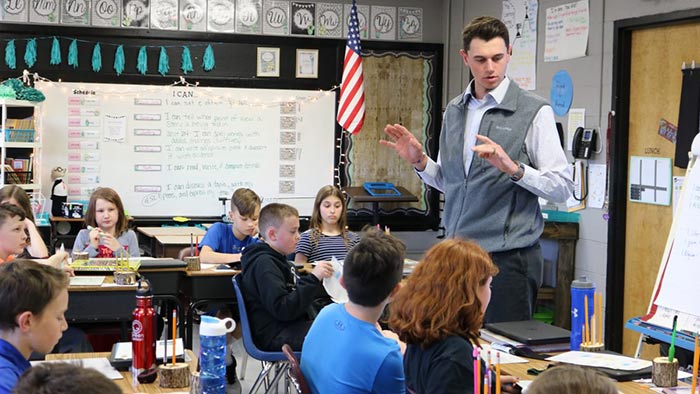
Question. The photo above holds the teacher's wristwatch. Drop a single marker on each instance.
(519, 173)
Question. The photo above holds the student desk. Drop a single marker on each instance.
(147, 235)
(126, 383)
(204, 287)
(520, 370)
(359, 194)
(63, 230)
(170, 245)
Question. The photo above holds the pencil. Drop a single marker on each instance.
(477, 374)
(498, 373)
(174, 324)
(585, 308)
(696, 358)
(600, 319)
(191, 245)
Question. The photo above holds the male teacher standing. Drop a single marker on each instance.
(499, 151)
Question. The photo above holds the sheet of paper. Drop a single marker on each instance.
(123, 349)
(86, 280)
(102, 365)
(602, 360)
(522, 67)
(115, 128)
(506, 358)
(332, 284)
(677, 185)
(577, 118)
(596, 184)
(566, 31)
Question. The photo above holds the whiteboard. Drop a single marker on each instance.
(172, 151)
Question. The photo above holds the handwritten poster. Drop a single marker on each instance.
(566, 31)
(520, 16)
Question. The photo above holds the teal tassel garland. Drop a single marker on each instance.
(208, 63)
(186, 61)
(10, 57)
(142, 61)
(30, 53)
(96, 58)
(163, 62)
(119, 60)
(55, 52)
(73, 54)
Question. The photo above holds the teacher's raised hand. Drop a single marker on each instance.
(406, 145)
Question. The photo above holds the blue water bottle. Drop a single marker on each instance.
(580, 288)
(212, 353)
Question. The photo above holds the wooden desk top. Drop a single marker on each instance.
(175, 230)
(520, 370)
(126, 383)
(173, 239)
(64, 219)
(109, 280)
(359, 194)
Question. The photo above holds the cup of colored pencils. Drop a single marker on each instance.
(592, 339)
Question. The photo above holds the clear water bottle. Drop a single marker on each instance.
(580, 288)
(212, 353)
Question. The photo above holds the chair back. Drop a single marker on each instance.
(246, 332)
(295, 373)
(184, 252)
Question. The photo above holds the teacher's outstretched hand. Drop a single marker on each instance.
(406, 145)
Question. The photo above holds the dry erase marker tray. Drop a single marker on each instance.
(104, 264)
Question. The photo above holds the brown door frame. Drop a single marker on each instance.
(619, 148)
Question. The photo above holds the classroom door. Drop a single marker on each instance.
(656, 58)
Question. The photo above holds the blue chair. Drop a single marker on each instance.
(274, 364)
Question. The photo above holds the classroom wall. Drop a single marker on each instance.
(592, 76)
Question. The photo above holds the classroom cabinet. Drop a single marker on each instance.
(20, 145)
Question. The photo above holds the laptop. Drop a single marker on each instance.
(531, 332)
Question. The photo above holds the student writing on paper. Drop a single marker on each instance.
(108, 232)
(33, 300)
(277, 299)
(499, 152)
(223, 243)
(15, 195)
(438, 313)
(65, 378)
(346, 336)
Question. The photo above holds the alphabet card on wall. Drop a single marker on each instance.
(303, 18)
(383, 23)
(410, 24)
(106, 13)
(362, 18)
(220, 16)
(164, 14)
(135, 13)
(328, 20)
(75, 12)
(14, 10)
(248, 16)
(43, 11)
(193, 15)
(276, 20)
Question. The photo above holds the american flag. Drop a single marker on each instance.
(351, 111)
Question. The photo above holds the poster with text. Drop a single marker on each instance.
(75, 12)
(362, 18)
(410, 24)
(248, 17)
(220, 16)
(193, 15)
(329, 17)
(164, 14)
(276, 20)
(135, 13)
(106, 13)
(303, 18)
(43, 11)
(383, 23)
(520, 16)
(14, 10)
(566, 31)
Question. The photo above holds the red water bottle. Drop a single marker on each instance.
(143, 344)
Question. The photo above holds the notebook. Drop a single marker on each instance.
(531, 332)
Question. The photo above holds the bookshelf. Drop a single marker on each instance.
(20, 145)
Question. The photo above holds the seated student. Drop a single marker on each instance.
(223, 243)
(64, 378)
(13, 238)
(565, 379)
(278, 301)
(15, 195)
(108, 227)
(33, 299)
(360, 359)
(438, 313)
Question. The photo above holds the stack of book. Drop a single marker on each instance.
(19, 130)
(18, 170)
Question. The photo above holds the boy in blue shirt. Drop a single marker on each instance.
(223, 243)
(33, 299)
(345, 351)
